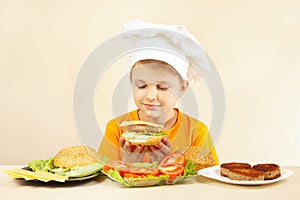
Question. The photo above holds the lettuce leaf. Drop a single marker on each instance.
(190, 168)
(82, 171)
(42, 165)
(60, 171)
(162, 133)
(189, 171)
(137, 182)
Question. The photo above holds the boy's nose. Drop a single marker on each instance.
(151, 94)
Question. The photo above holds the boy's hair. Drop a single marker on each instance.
(159, 64)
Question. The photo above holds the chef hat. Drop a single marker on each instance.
(172, 44)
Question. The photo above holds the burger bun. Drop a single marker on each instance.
(75, 156)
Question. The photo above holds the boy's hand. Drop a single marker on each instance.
(159, 151)
(136, 153)
(132, 153)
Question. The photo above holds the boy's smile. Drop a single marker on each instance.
(151, 106)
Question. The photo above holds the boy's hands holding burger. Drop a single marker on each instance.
(137, 153)
(143, 141)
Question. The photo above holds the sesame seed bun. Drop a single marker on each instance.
(202, 157)
(75, 156)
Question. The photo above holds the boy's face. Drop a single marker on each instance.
(156, 89)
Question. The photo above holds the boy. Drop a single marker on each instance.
(158, 79)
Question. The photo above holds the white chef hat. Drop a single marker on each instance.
(172, 44)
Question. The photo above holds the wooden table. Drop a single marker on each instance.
(103, 188)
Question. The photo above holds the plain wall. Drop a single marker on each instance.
(255, 46)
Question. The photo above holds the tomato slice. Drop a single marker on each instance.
(171, 169)
(122, 167)
(141, 172)
(130, 175)
(176, 157)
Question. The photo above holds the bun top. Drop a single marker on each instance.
(75, 156)
(202, 157)
(141, 126)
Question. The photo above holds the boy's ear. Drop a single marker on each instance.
(183, 88)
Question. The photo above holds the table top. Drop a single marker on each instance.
(101, 187)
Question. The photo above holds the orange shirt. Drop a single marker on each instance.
(187, 131)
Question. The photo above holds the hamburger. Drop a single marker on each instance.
(77, 161)
(142, 133)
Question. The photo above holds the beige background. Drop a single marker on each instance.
(254, 44)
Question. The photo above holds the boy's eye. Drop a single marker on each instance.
(141, 86)
(162, 87)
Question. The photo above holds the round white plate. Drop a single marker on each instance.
(214, 173)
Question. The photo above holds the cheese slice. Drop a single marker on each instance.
(44, 176)
(41, 176)
(20, 173)
(15, 175)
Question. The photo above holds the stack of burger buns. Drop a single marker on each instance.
(246, 172)
(202, 157)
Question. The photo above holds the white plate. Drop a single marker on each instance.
(214, 173)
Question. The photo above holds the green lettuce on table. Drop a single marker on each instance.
(189, 170)
(42, 165)
(136, 182)
(79, 171)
